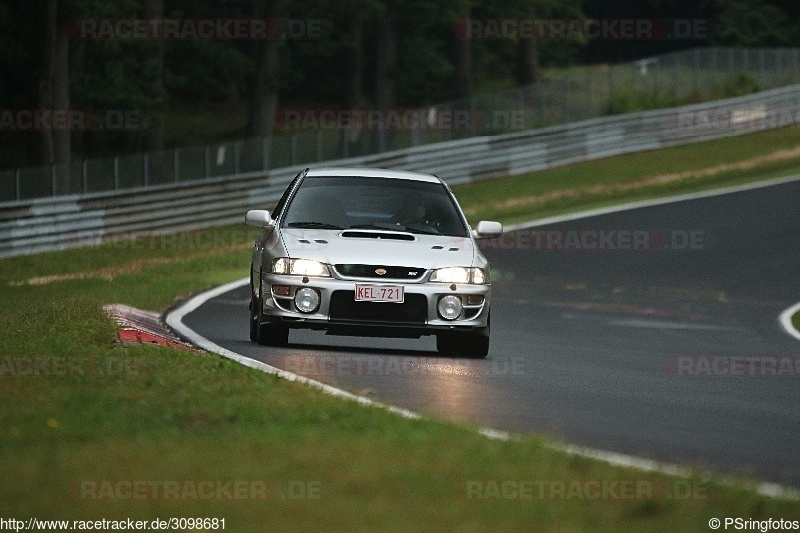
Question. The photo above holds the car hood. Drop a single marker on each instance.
(365, 248)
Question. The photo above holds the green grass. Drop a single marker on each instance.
(81, 412)
(796, 321)
(580, 181)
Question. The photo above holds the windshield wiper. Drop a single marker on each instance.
(385, 227)
(397, 227)
(313, 225)
(420, 231)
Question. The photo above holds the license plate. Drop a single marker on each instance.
(380, 293)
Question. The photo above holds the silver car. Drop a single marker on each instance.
(370, 252)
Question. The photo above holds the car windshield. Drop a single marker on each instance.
(374, 204)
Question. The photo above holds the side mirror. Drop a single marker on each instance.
(258, 217)
(488, 229)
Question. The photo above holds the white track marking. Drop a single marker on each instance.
(786, 320)
(174, 318)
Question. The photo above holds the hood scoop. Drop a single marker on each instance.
(382, 235)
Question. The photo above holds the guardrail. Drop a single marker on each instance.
(60, 222)
(313, 135)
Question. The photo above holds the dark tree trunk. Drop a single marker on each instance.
(54, 96)
(354, 76)
(462, 59)
(154, 9)
(46, 86)
(265, 90)
(385, 89)
(528, 62)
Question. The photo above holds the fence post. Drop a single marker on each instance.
(18, 184)
(207, 161)
(237, 152)
(730, 61)
(610, 82)
(714, 63)
(176, 158)
(146, 168)
(590, 83)
(796, 62)
(116, 172)
(85, 176)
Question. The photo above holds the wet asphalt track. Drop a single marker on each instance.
(603, 348)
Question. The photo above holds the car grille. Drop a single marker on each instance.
(369, 271)
(414, 310)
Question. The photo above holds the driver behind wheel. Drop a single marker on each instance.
(412, 210)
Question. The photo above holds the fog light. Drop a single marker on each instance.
(450, 307)
(306, 300)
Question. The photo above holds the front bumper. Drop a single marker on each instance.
(339, 313)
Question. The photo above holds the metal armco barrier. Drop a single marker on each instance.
(60, 222)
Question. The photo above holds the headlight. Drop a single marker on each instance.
(460, 275)
(299, 267)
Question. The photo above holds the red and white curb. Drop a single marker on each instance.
(174, 320)
(145, 327)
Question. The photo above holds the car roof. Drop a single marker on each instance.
(372, 173)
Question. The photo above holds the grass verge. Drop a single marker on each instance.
(90, 429)
(631, 177)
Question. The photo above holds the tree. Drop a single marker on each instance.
(154, 9)
(462, 54)
(54, 96)
(752, 23)
(265, 88)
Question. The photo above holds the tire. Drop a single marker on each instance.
(265, 334)
(474, 346)
(254, 312)
(272, 335)
(255, 309)
(446, 344)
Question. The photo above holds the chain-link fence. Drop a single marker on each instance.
(308, 136)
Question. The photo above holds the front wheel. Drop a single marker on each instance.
(476, 346)
(272, 335)
(265, 334)
(255, 311)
